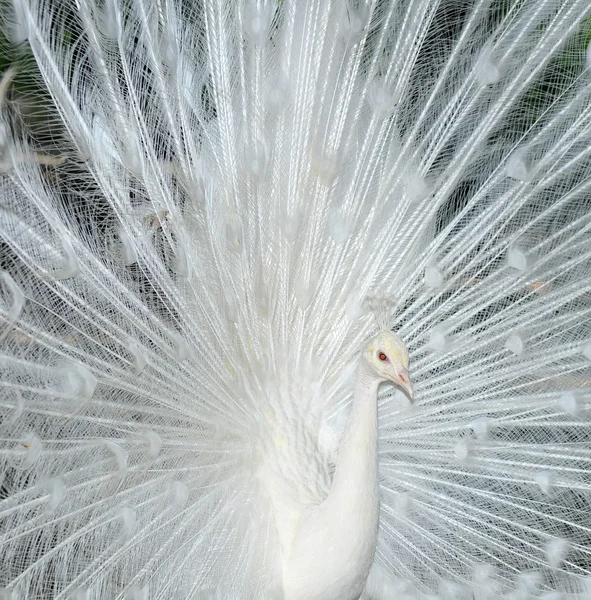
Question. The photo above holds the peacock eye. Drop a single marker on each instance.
(382, 357)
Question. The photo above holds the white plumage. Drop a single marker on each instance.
(204, 207)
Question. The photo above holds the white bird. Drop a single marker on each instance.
(327, 549)
(214, 215)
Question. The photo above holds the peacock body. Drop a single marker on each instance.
(213, 215)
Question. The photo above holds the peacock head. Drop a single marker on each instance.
(388, 357)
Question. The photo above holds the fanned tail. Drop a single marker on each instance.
(186, 268)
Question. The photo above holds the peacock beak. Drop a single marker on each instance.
(402, 380)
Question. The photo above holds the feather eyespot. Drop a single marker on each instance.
(382, 357)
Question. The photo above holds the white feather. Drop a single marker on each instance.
(197, 202)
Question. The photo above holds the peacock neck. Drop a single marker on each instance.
(333, 543)
(355, 483)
